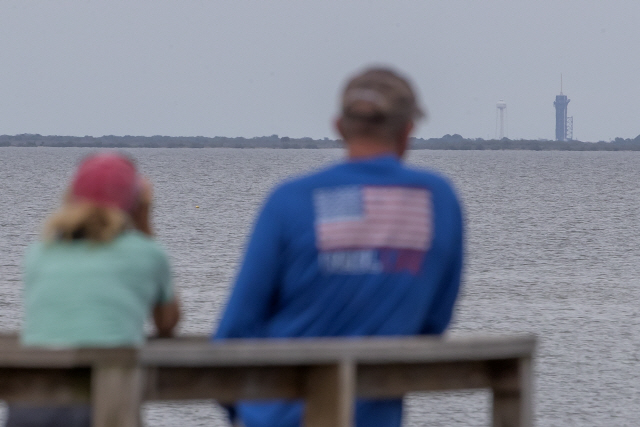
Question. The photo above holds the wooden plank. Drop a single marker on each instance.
(28, 357)
(199, 352)
(394, 380)
(526, 374)
(330, 395)
(512, 393)
(226, 385)
(331, 350)
(13, 354)
(39, 386)
(116, 395)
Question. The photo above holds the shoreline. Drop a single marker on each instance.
(448, 142)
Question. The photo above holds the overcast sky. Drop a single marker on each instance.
(254, 68)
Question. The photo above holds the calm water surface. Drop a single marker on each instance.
(553, 248)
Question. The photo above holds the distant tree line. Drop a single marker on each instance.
(457, 142)
(159, 141)
(447, 142)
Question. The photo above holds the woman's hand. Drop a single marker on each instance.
(166, 317)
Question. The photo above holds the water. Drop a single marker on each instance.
(553, 248)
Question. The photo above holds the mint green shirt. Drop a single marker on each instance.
(80, 293)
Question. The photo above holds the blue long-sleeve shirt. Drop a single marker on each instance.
(367, 247)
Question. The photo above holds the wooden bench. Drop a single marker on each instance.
(327, 373)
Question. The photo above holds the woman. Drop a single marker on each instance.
(97, 275)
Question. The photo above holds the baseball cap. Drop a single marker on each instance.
(380, 93)
(107, 179)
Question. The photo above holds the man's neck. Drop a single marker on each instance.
(363, 148)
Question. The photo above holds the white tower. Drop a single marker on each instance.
(501, 113)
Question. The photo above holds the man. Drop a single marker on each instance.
(366, 247)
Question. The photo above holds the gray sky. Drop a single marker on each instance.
(253, 68)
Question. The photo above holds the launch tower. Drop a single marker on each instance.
(561, 115)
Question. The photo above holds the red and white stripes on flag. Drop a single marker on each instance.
(374, 217)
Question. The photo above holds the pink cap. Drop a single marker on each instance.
(107, 179)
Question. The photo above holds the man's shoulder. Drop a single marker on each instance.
(342, 174)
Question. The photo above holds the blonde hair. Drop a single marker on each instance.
(83, 220)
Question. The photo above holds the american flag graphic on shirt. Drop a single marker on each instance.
(363, 229)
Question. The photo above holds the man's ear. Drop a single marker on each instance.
(339, 127)
(407, 130)
(402, 144)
